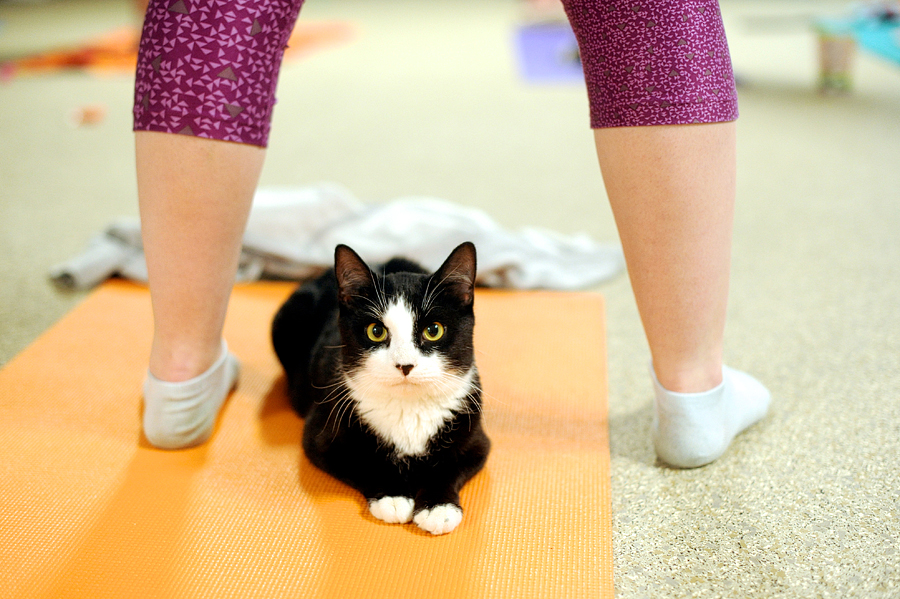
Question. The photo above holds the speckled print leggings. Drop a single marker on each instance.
(209, 67)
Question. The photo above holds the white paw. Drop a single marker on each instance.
(393, 510)
(440, 519)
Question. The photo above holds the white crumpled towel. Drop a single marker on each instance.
(292, 233)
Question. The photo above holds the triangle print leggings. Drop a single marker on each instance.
(209, 67)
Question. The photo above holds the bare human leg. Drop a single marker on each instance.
(195, 196)
(672, 192)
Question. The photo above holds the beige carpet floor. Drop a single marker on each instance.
(426, 100)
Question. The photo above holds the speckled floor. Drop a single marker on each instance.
(426, 101)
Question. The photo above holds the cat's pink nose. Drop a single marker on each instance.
(405, 368)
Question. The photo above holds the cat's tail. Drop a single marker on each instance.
(295, 330)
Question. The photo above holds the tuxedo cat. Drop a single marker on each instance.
(381, 367)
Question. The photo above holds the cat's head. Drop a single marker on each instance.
(407, 333)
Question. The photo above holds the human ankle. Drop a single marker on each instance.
(179, 363)
(689, 378)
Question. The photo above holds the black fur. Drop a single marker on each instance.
(320, 333)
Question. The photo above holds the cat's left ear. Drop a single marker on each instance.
(353, 275)
(457, 274)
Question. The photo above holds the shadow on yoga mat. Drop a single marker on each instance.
(90, 510)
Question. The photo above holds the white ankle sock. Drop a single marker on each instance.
(694, 429)
(179, 415)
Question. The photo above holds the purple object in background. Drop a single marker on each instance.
(548, 53)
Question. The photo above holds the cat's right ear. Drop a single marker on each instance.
(353, 275)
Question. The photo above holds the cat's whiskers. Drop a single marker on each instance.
(337, 397)
(452, 381)
(429, 297)
(345, 406)
(426, 301)
(379, 293)
(431, 294)
(323, 387)
(476, 388)
(372, 309)
(491, 397)
(343, 401)
(334, 396)
(336, 388)
(377, 307)
(474, 401)
(449, 381)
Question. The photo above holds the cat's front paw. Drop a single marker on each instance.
(393, 510)
(440, 519)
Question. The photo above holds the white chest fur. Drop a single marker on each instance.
(408, 424)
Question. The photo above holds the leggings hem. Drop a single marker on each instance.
(650, 113)
(207, 129)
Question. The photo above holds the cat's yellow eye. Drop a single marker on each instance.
(433, 332)
(376, 332)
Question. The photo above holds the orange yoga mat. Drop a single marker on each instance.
(88, 509)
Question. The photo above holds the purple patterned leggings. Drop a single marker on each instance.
(209, 67)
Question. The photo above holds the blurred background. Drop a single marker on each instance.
(391, 98)
(401, 97)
